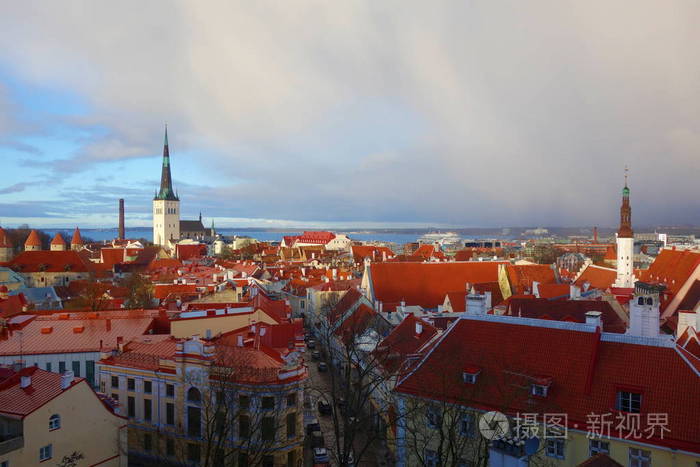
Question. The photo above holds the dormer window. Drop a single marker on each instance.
(540, 387)
(629, 401)
(470, 374)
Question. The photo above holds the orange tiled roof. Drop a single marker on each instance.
(50, 261)
(672, 268)
(20, 402)
(426, 284)
(522, 276)
(33, 239)
(597, 276)
(58, 240)
(77, 239)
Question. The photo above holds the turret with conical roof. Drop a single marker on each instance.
(58, 243)
(6, 249)
(76, 242)
(33, 242)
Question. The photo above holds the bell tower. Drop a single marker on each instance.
(625, 243)
(166, 205)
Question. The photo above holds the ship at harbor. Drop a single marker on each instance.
(444, 239)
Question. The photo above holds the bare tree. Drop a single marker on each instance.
(139, 291)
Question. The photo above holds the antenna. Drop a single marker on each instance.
(626, 173)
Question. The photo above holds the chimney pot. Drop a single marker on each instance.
(25, 381)
(593, 317)
(66, 379)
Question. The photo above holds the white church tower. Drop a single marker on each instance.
(625, 243)
(166, 205)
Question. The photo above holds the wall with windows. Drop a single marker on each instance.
(75, 421)
(84, 362)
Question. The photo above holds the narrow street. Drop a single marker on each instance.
(317, 383)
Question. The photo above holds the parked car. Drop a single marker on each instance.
(316, 355)
(311, 344)
(324, 408)
(322, 367)
(321, 456)
(317, 440)
(312, 425)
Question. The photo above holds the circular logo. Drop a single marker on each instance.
(493, 425)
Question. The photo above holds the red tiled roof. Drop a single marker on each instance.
(346, 302)
(12, 305)
(600, 460)
(20, 402)
(33, 239)
(691, 298)
(317, 237)
(77, 333)
(163, 291)
(611, 253)
(598, 277)
(402, 341)
(426, 284)
(553, 290)
(586, 373)
(187, 252)
(567, 310)
(672, 268)
(356, 323)
(50, 261)
(522, 276)
(375, 253)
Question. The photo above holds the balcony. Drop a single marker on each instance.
(10, 444)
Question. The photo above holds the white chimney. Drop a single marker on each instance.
(697, 320)
(207, 333)
(476, 304)
(574, 292)
(593, 317)
(66, 379)
(488, 300)
(419, 328)
(536, 289)
(239, 341)
(25, 381)
(403, 306)
(644, 316)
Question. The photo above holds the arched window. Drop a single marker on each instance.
(193, 395)
(54, 422)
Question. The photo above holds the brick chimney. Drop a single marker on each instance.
(121, 219)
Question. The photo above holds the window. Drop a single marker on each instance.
(469, 378)
(48, 366)
(244, 426)
(61, 367)
(54, 422)
(466, 425)
(76, 369)
(555, 448)
(268, 461)
(147, 387)
(90, 372)
(131, 407)
(170, 413)
(115, 396)
(433, 417)
(5, 464)
(115, 382)
(291, 458)
(194, 422)
(431, 458)
(268, 403)
(539, 390)
(291, 425)
(596, 446)
(147, 442)
(170, 447)
(629, 401)
(292, 399)
(193, 395)
(131, 384)
(640, 458)
(193, 454)
(268, 429)
(169, 390)
(147, 409)
(302, 304)
(46, 452)
(244, 401)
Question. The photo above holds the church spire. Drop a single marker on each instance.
(625, 212)
(166, 182)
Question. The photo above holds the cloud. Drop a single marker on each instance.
(16, 188)
(469, 113)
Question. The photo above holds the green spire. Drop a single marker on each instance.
(166, 134)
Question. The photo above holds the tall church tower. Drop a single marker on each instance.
(625, 243)
(166, 206)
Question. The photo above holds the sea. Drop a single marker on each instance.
(101, 235)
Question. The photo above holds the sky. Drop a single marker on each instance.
(353, 113)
